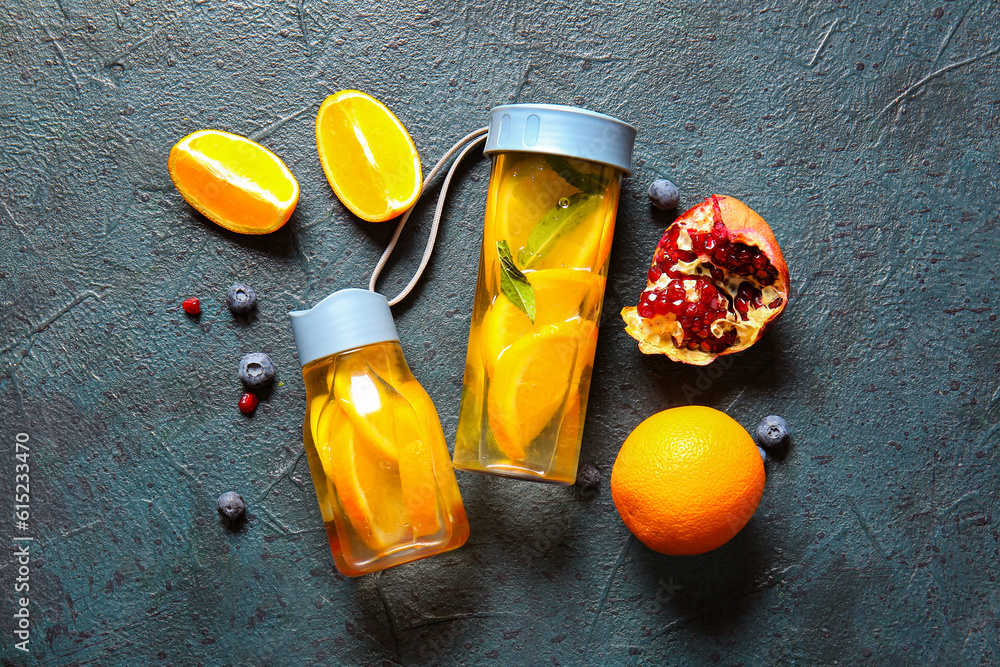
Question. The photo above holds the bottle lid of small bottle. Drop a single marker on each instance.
(555, 129)
(345, 320)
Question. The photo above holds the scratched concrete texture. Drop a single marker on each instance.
(865, 133)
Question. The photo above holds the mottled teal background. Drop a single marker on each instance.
(865, 133)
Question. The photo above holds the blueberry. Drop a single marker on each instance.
(589, 477)
(256, 370)
(772, 432)
(763, 454)
(231, 505)
(241, 298)
(664, 195)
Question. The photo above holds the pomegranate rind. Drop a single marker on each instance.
(745, 226)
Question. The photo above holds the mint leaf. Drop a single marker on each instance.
(591, 183)
(513, 284)
(555, 224)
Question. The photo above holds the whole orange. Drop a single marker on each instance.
(687, 480)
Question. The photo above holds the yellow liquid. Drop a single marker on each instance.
(379, 462)
(526, 383)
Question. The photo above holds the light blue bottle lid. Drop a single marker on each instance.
(561, 130)
(345, 320)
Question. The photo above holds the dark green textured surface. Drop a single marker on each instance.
(864, 133)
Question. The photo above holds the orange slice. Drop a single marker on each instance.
(364, 398)
(560, 295)
(391, 425)
(234, 182)
(368, 156)
(529, 384)
(528, 190)
(416, 469)
(503, 324)
(362, 479)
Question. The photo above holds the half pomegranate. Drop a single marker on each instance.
(717, 281)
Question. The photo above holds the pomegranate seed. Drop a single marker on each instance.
(660, 305)
(248, 403)
(675, 290)
(716, 272)
(670, 236)
(191, 306)
(709, 245)
(777, 302)
(645, 307)
(676, 307)
(759, 262)
(654, 274)
(686, 255)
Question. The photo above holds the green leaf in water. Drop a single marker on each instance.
(592, 183)
(513, 284)
(558, 222)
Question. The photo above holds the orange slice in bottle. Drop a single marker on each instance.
(528, 190)
(389, 423)
(416, 468)
(421, 402)
(363, 481)
(582, 247)
(234, 182)
(364, 397)
(367, 155)
(529, 384)
(560, 295)
(503, 324)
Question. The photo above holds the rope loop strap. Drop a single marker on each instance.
(465, 144)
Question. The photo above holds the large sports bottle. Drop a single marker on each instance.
(550, 218)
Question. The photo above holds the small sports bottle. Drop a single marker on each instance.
(379, 462)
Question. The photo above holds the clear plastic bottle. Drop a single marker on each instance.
(379, 462)
(550, 218)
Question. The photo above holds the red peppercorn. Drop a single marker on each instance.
(248, 403)
(192, 306)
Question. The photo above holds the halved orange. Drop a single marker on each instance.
(234, 182)
(529, 383)
(367, 155)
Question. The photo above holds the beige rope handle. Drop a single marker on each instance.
(469, 142)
